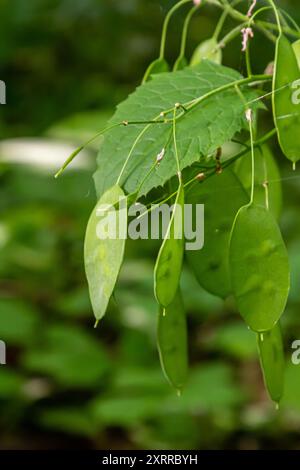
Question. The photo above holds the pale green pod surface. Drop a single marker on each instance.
(286, 98)
(271, 353)
(266, 171)
(296, 47)
(104, 248)
(180, 64)
(207, 50)
(169, 261)
(172, 342)
(157, 66)
(259, 267)
(222, 196)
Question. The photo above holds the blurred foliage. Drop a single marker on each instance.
(67, 63)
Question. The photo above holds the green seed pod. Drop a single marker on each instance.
(286, 100)
(207, 50)
(172, 342)
(259, 267)
(169, 261)
(271, 353)
(180, 64)
(222, 196)
(296, 47)
(103, 256)
(156, 67)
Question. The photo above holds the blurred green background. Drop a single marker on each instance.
(67, 63)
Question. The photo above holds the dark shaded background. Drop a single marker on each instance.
(67, 64)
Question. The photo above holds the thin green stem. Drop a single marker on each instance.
(186, 29)
(166, 25)
(222, 20)
(240, 82)
(231, 36)
(288, 16)
(265, 138)
(274, 27)
(82, 147)
(258, 12)
(248, 60)
(99, 134)
(257, 143)
(252, 158)
(175, 145)
(276, 13)
(237, 15)
(140, 135)
(261, 24)
(265, 31)
(220, 25)
(153, 166)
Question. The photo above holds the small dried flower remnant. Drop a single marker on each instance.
(247, 33)
(249, 115)
(270, 69)
(250, 11)
(200, 176)
(197, 2)
(160, 156)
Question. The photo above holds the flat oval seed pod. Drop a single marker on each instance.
(157, 66)
(104, 248)
(266, 173)
(259, 267)
(207, 50)
(222, 196)
(169, 261)
(180, 64)
(286, 108)
(296, 47)
(172, 342)
(271, 353)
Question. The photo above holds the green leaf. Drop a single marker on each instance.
(199, 133)
(71, 421)
(18, 322)
(125, 411)
(234, 339)
(70, 356)
(207, 50)
(211, 388)
(10, 383)
(103, 256)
